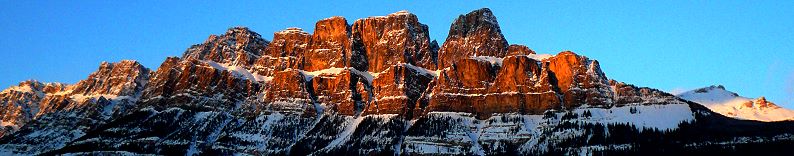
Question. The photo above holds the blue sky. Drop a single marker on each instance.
(671, 45)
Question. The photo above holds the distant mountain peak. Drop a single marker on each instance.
(728, 103)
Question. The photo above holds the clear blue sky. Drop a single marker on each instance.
(681, 45)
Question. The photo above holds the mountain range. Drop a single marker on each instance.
(378, 86)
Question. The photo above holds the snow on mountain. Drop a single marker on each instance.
(660, 117)
(239, 71)
(731, 104)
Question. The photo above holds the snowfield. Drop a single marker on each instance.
(659, 117)
(731, 104)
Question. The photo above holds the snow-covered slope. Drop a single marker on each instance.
(731, 104)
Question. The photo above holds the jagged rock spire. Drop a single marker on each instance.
(474, 34)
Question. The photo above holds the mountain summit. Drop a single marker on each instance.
(380, 86)
(728, 103)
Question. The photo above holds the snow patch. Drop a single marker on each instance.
(311, 74)
(367, 75)
(422, 70)
(401, 12)
(292, 30)
(539, 57)
(490, 59)
(239, 71)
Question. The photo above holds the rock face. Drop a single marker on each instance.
(197, 83)
(285, 51)
(761, 103)
(524, 85)
(20, 104)
(330, 45)
(289, 94)
(474, 34)
(125, 78)
(32, 99)
(378, 87)
(462, 87)
(389, 40)
(64, 112)
(340, 92)
(580, 80)
(398, 89)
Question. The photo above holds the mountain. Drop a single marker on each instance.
(380, 86)
(731, 104)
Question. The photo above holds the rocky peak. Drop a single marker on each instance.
(25, 86)
(330, 45)
(710, 88)
(716, 88)
(124, 78)
(238, 46)
(18, 105)
(474, 20)
(474, 34)
(388, 40)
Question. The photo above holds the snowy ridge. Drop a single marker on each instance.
(712, 95)
(731, 104)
